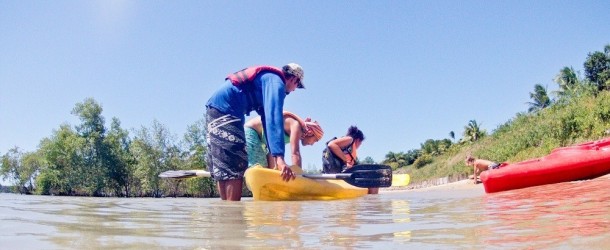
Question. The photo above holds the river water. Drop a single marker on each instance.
(573, 215)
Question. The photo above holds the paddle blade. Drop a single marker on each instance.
(370, 175)
(183, 174)
(400, 180)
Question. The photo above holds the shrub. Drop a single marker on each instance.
(422, 161)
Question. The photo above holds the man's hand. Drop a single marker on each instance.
(287, 173)
(349, 164)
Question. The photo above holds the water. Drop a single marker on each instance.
(574, 215)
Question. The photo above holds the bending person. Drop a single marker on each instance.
(295, 130)
(480, 165)
(261, 89)
(342, 153)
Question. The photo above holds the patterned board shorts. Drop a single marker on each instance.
(226, 158)
(257, 153)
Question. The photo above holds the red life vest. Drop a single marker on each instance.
(247, 75)
(243, 80)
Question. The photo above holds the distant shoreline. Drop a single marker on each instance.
(461, 185)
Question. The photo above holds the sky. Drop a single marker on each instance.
(402, 71)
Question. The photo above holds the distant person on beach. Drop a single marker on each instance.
(296, 130)
(480, 165)
(341, 153)
(261, 89)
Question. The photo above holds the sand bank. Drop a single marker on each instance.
(461, 185)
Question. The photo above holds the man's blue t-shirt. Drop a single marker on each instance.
(270, 91)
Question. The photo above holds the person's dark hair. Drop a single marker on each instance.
(469, 159)
(355, 133)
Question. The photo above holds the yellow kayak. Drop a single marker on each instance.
(267, 185)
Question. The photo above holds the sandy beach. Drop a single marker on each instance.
(458, 185)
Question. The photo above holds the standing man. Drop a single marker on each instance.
(261, 89)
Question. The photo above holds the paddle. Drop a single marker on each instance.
(400, 180)
(364, 175)
(184, 174)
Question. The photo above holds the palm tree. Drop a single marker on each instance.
(430, 147)
(472, 131)
(540, 99)
(399, 159)
(411, 156)
(391, 157)
(567, 81)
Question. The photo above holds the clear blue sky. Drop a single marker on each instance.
(402, 71)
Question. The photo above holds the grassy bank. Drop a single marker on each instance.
(527, 135)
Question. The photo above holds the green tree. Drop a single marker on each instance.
(61, 175)
(147, 164)
(13, 170)
(412, 155)
(31, 164)
(10, 169)
(392, 157)
(154, 150)
(430, 147)
(473, 132)
(85, 161)
(118, 159)
(567, 81)
(368, 160)
(194, 139)
(96, 154)
(422, 160)
(435, 147)
(540, 99)
(194, 154)
(400, 159)
(597, 68)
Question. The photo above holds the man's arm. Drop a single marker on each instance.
(295, 138)
(336, 146)
(273, 94)
(475, 173)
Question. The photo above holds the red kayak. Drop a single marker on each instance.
(579, 162)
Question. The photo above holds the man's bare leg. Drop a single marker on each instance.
(230, 189)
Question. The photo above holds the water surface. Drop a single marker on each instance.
(573, 215)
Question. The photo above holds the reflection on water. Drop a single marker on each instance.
(561, 214)
(565, 215)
